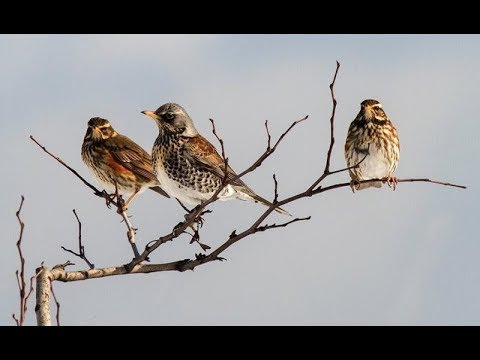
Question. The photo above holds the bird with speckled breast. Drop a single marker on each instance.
(188, 165)
(372, 142)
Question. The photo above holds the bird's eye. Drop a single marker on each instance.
(105, 130)
(169, 116)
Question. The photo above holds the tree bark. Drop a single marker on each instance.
(42, 308)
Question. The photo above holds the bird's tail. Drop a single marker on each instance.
(248, 194)
(159, 190)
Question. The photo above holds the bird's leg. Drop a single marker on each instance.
(353, 185)
(198, 221)
(126, 203)
(392, 182)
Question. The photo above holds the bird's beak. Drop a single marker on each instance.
(151, 114)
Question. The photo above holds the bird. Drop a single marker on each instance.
(373, 143)
(188, 165)
(117, 162)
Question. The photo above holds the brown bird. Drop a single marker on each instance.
(372, 136)
(117, 162)
(187, 164)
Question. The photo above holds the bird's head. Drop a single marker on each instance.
(171, 117)
(372, 110)
(99, 129)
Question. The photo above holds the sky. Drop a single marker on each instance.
(376, 257)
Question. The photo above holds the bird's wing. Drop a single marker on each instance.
(200, 151)
(132, 156)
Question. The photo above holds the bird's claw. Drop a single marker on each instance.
(353, 184)
(392, 182)
(108, 198)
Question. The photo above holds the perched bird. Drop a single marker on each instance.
(117, 162)
(187, 164)
(372, 136)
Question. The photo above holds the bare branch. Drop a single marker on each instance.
(21, 277)
(269, 151)
(224, 157)
(332, 119)
(214, 130)
(269, 138)
(81, 248)
(64, 265)
(131, 231)
(42, 307)
(274, 226)
(187, 264)
(326, 171)
(431, 181)
(275, 197)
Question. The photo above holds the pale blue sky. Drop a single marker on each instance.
(375, 257)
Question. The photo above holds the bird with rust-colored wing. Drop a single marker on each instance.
(188, 165)
(117, 162)
(372, 141)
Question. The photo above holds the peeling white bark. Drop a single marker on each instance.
(42, 308)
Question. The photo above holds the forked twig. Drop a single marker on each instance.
(81, 248)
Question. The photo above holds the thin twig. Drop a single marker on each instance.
(326, 171)
(57, 315)
(224, 157)
(97, 192)
(269, 138)
(21, 277)
(64, 265)
(275, 197)
(274, 226)
(81, 248)
(431, 181)
(269, 151)
(332, 119)
(218, 138)
(131, 231)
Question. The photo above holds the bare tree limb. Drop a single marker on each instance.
(431, 181)
(332, 119)
(81, 248)
(274, 226)
(275, 191)
(21, 277)
(214, 130)
(131, 231)
(326, 171)
(269, 137)
(42, 308)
